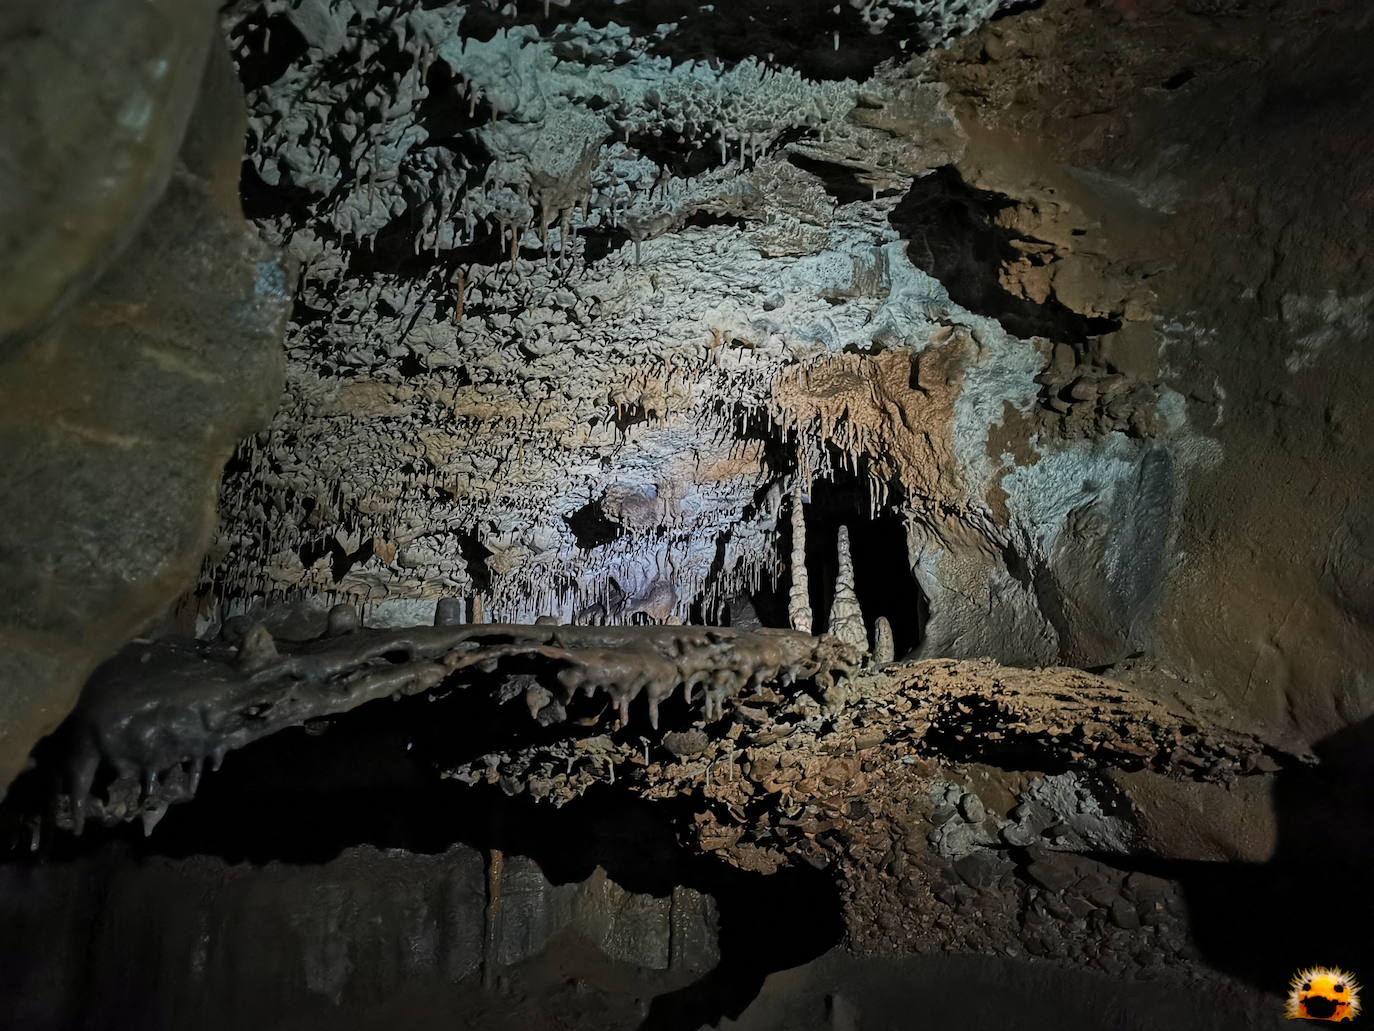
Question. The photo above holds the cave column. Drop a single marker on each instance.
(846, 619)
(799, 598)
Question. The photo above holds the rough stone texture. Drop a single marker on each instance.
(94, 100)
(579, 310)
(118, 419)
(906, 787)
(901, 780)
(799, 590)
(846, 618)
(983, 992)
(767, 273)
(153, 716)
(1080, 304)
(350, 935)
(1202, 172)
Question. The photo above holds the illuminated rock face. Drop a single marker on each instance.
(583, 301)
(1039, 339)
(578, 312)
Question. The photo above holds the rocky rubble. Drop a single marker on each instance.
(915, 784)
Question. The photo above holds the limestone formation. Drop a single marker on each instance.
(120, 405)
(799, 593)
(1052, 319)
(883, 647)
(846, 618)
(159, 711)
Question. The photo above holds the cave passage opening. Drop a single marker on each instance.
(883, 581)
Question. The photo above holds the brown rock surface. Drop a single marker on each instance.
(1203, 172)
(94, 101)
(118, 418)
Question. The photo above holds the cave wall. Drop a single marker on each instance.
(1205, 170)
(140, 328)
(109, 942)
(583, 301)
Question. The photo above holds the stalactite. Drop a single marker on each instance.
(799, 598)
(846, 619)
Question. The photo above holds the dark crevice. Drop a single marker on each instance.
(475, 555)
(263, 202)
(705, 220)
(838, 181)
(340, 561)
(1010, 10)
(952, 235)
(675, 154)
(784, 34)
(1180, 78)
(264, 47)
(591, 527)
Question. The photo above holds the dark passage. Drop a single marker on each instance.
(882, 573)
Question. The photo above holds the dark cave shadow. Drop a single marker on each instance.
(1312, 902)
(792, 35)
(952, 235)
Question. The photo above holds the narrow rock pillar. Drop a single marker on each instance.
(884, 647)
(799, 597)
(846, 620)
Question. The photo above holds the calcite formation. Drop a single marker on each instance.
(799, 592)
(158, 713)
(923, 787)
(579, 311)
(846, 618)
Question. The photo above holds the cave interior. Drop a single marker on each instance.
(659, 515)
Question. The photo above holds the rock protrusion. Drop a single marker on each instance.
(884, 648)
(846, 618)
(799, 597)
(449, 611)
(342, 619)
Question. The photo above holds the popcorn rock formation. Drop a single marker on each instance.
(158, 713)
(1022, 347)
(568, 347)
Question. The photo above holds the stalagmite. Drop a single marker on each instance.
(342, 619)
(884, 649)
(846, 620)
(448, 612)
(799, 598)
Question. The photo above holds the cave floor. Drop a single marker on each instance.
(571, 986)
